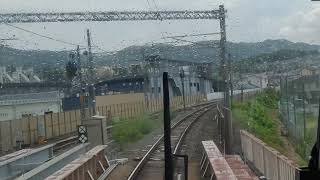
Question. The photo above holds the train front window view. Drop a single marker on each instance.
(150, 89)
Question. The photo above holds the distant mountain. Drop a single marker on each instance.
(34, 58)
(204, 51)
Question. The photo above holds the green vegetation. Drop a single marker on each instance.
(269, 98)
(260, 117)
(71, 69)
(128, 130)
(254, 116)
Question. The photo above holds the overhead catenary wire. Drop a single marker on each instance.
(43, 36)
(193, 35)
(149, 4)
(155, 5)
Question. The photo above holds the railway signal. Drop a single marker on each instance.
(182, 75)
(82, 134)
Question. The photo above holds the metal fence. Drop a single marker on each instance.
(298, 108)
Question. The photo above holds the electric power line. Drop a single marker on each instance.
(193, 35)
(155, 5)
(149, 4)
(43, 36)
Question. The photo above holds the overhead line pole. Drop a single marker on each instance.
(82, 90)
(227, 107)
(230, 77)
(91, 75)
(168, 173)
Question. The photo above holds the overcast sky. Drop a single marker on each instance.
(248, 20)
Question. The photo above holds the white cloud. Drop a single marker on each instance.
(302, 26)
(248, 20)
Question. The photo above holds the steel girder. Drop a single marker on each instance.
(107, 16)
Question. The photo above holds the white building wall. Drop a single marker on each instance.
(2, 71)
(14, 106)
(16, 111)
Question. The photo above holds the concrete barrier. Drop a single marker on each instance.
(90, 166)
(49, 167)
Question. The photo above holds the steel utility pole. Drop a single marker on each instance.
(231, 76)
(227, 107)
(304, 111)
(182, 84)
(82, 89)
(92, 103)
(168, 162)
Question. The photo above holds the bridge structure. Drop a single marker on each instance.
(108, 16)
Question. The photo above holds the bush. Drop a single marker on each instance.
(130, 130)
(253, 116)
(269, 98)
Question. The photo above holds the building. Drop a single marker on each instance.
(35, 87)
(309, 71)
(18, 105)
(148, 79)
(18, 76)
(121, 85)
(251, 81)
(196, 76)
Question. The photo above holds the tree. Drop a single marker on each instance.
(71, 69)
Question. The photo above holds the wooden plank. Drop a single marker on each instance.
(78, 117)
(73, 121)
(25, 130)
(103, 110)
(55, 124)
(33, 123)
(67, 122)
(41, 129)
(62, 124)
(6, 144)
(113, 109)
(48, 125)
(122, 111)
(16, 133)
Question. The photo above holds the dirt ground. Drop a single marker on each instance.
(204, 129)
(136, 150)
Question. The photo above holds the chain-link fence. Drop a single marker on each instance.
(298, 106)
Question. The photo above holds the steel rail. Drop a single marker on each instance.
(177, 147)
(145, 158)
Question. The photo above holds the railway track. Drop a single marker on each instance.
(151, 165)
(65, 144)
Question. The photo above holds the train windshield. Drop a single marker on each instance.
(148, 89)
